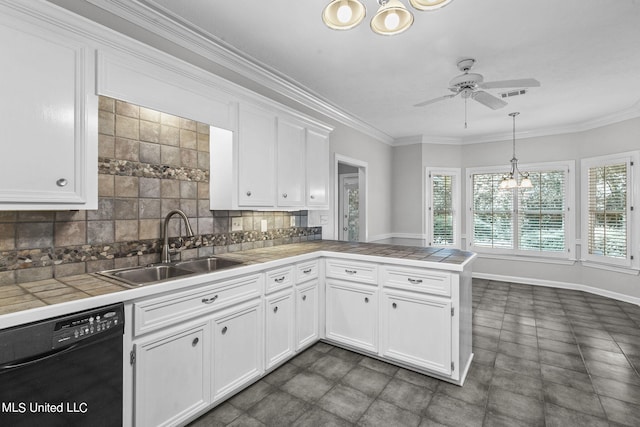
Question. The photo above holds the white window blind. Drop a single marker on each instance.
(443, 201)
(607, 203)
(531, 221)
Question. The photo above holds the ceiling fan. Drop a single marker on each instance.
(469, 84)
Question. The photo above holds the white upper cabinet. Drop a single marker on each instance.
(256, 154)
(276, 160)
(317, 161)
(291, 163)
(49, 136)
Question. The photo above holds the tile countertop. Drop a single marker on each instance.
(27, 302)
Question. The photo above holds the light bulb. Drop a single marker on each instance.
(391, 21)
(344, 13)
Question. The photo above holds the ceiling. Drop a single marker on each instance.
(585, 53)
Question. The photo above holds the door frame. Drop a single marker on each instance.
(363, 192)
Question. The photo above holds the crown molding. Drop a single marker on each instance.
(151, 17)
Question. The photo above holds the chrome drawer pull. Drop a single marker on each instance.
(195, 342)
(414, 281)
(366, 300)
(307, 271)
(394, 305)
(210, 300)
(350, 271)
(304, 297)
(224, 330)
(279, 279)
(275, 309)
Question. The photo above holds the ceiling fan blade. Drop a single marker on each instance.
(488, 100)
(510, 83)
(431, 101)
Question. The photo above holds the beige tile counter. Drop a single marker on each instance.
(34, 295)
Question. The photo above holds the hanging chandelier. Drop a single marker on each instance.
(510, 180)
(391, 18)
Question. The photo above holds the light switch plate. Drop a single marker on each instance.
(263, 225)
(293, 221)
(236, 224)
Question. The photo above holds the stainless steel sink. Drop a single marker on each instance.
(205, 265)
(138, 276)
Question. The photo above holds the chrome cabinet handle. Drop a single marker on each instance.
(248, 193)
(366, 300)
(195, 342)
(307, 271)
(279, 279)
(350, 271)
(312, 196)
(394, 305)
(284, 195)
(210, 300)
(62, 182)
(224, 330)
(275, 309)
(304, 297)
(414, 281)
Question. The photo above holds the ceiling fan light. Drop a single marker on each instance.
(428, 5)
(343, 14)
(392, 18)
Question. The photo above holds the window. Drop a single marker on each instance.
(443, 211)
(608, 215)
(528, 221)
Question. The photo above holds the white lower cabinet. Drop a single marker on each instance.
(416, 329)
(172, 379)
(352, 314)
(237, 348)
(279, 327)
(307, 313)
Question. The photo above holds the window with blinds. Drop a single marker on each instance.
(521, 221)
(443, 219)
(607, 204)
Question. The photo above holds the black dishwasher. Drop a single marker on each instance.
(64, 371)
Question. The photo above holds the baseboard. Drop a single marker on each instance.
(560, 285)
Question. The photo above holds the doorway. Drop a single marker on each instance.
(350, 206)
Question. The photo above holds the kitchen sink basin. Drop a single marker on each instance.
(138, 276)
(205, 265)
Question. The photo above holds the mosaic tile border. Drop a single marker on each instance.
(43, 257)
(148, 170)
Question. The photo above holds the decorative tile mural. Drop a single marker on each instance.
(149, 164)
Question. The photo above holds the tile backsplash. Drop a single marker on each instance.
(149, 164)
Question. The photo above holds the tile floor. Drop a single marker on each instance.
(543, 357)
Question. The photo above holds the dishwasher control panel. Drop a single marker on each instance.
(88, 324)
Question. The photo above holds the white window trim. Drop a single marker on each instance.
(570, 225)
(456, 200)
(633, 223)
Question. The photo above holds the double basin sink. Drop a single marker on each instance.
(138, 276)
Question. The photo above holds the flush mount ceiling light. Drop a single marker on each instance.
(510, 180)
(391, 18)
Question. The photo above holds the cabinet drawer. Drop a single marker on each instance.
(353, 271)
(416, 279)
(160, 312)
(307, 270)
(279, 278)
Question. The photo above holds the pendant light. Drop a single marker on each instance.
(392, 18)
(343, 14)
(510, 180)
(429, 4)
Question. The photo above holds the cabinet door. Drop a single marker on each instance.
(49, 110)
(279, 323)
(256, 157)
(307, 314)
(352, 314)
(171, 377)
(317, 170)
(237, 348)
(291, 163)
(416, 329)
